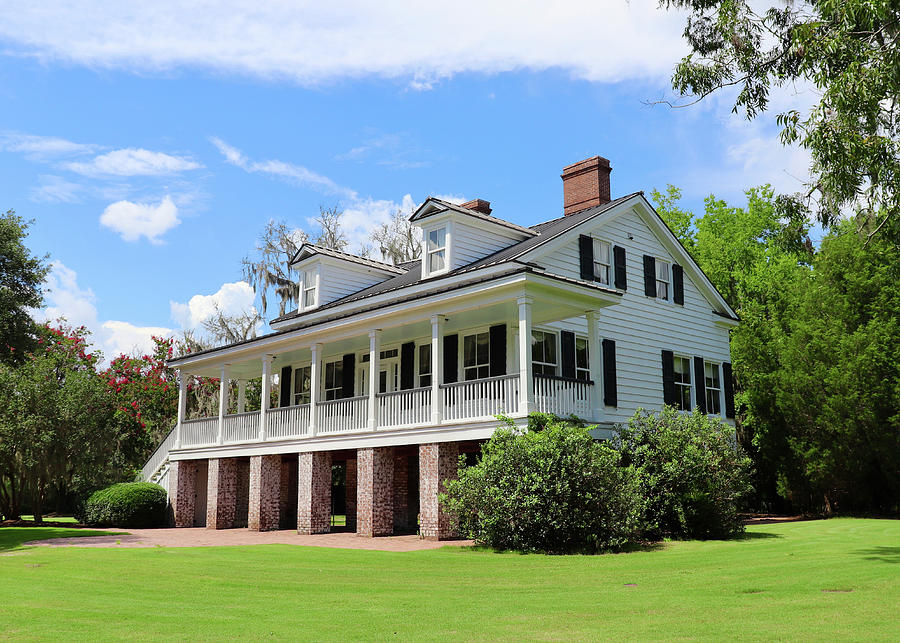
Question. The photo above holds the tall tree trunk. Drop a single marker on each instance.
(38, 500)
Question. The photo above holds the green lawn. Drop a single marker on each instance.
(807, 580)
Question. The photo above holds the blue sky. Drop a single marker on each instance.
(151, 145)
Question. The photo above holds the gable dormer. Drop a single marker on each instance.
(456, 235)
(327, 275)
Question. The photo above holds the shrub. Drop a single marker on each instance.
(127, 504)
(554, 490)
(692, 469)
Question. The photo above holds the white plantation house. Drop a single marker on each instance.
(391, 372)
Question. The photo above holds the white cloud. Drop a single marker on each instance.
(55, 189)
(66, 298)
(42, 148)
(420, 43)
(134, 220)
(290, 172)
(133, 162)
(231, 299)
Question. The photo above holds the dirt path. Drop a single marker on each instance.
(201, 537)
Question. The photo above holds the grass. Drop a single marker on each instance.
(835, 579)
(68, 519)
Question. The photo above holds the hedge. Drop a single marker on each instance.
(127, 504)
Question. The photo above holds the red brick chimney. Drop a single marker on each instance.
(586, 184)
(479, 205)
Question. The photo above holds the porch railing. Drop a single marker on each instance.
(287, 422)
(402, 408)
(562, 396)
(159, 457)
(339, 416)
(200, 431)
(241, 427)
(481, 398)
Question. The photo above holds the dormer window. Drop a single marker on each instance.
(309, 288)
(437, 250)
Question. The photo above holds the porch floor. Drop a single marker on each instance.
(202, 537)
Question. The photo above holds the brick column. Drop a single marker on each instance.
(437, 462)
(314, 493)
(182, 487)
(374, 495)
(401, 493)
(350, 491)
(221, 494)
(265, 492)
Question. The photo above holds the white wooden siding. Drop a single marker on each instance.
(339, 281)
(471, 243)
(642, 326)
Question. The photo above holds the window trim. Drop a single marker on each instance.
(420, 350)
(587, 352)
(607, 264)
(681, 385)
(295, 395)
(718, 389)
(305, 275)
(556, 349)
(668, 282)
(426, 254)
(461, 351)
(339, 388)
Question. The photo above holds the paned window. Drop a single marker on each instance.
(543, 352)
(334, 380)
(582, 365)
(663, 278)
(477, 356)
(309, 288)
(437, 250)
(302, 385)
(683, 383)
(425, 365)
(601, 261)
(713, 388)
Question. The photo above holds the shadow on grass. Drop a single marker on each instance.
(13, 537)
(754, 535)
(882, 554)
(628, 549)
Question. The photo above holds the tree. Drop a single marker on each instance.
(271, 267)
(21, 275)
(230, 329)
(398, 240)
(331, 230)
(850, 51)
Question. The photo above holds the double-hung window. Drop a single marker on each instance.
(334, 380)
(302, 385)
(601, 262)
(582, 365)
(309, 288)
(425, 365)
(713, 388)
(663, 278)
(543, 352)
(437, 249)
(682, 383)
(477, 356)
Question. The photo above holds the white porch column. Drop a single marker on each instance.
(314, 351)
(526, 381)
(374, 365)
(223, 402)
(595, 363)
(242, 396)
(265, 394)
(183, 378)
(437, 368)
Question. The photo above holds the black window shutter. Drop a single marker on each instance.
(728, 386)
(407, 365)
(678, 284)
(649, 276)
(349, 375)
(451, 348)
(498, 349)
(668, 377)
(700, 377)
(586, 257)
(619, 264)
(610, 391)
(285, 385)
(567, 353)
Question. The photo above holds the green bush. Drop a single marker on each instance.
(693, 472)
(127, 504)
(553, 490)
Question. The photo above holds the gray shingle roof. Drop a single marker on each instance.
(472, 213)
(310, 249)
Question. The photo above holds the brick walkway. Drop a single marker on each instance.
(202, 537)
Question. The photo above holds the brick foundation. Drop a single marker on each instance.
(374, 495)
(287, 506)
(242, 495)
(437, 462)
(221, 494)
(350, 490)
(182, 487)
(401, 493)
(265, 492)
(314, 493)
